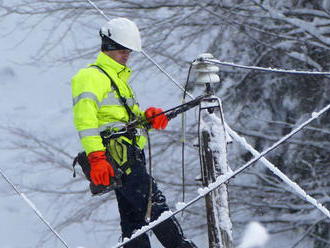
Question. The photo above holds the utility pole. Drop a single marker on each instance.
(213, 156)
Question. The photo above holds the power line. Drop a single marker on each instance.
(167, 74)
(36, 211)
(99, 10)
(224, 178)
(277, 172)
(257, 68)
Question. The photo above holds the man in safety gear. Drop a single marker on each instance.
(103, 101)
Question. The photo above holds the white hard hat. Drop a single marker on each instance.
(124, 32)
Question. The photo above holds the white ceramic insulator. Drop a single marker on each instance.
(206, 72)
(205, 56)
(204, 78)
(208, 68)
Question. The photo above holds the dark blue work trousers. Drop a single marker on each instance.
(132, 200)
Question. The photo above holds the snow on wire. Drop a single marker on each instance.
(34, 208)
(226, 177)
(257, 68)
(99, 10)
(296, 188)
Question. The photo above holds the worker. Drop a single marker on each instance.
(103, 102)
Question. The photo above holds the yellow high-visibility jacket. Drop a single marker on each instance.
(96, 106)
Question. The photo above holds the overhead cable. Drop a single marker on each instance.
(99, 10)
(225, 178)
(167, 74)
(294, 186)
(257, 68)
(36, 211)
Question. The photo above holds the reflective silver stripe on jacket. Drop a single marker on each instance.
(110, 100)
(86, 95)
(89, 132)
(97, 131)
(116, 124)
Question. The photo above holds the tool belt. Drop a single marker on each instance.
(120, 154)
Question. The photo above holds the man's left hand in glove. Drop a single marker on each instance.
(158, 122)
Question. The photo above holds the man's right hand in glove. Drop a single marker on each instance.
(101, 169)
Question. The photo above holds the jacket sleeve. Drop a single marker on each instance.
(138, 111)
(87, 94)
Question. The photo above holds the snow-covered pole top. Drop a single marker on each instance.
(257, 68)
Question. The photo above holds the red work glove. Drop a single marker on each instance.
(159, 122)
(101, 169)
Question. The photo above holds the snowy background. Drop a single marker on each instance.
(36, 66)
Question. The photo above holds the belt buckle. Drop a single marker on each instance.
(140, 132)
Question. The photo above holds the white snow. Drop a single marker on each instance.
(214, 125)
(255, 235)
(30, 203)
(326, 4)
(168, 214)
(296, 188)
(30, 107)
(164, 216)
(202, 191)
(315, 114)
(224, 178)
(180, 205)
(306, 26)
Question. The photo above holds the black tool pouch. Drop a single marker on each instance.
(82, 160)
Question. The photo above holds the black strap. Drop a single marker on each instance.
(122, 99)
(74, 165)
(131, 115)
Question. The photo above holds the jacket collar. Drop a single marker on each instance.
(107, 63)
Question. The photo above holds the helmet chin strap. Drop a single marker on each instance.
(111, 45)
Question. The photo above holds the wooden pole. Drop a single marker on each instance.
(214, 163)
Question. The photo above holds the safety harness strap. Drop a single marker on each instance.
(131, 116)
(123, 100)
